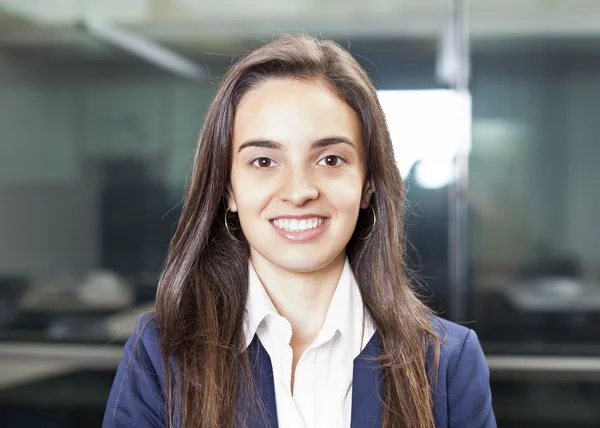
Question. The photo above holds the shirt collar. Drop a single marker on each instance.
(258, 306)
(345, 313)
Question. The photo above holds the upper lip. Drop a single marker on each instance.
(298, 217)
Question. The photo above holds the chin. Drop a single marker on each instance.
(303, 260)
(296, 257)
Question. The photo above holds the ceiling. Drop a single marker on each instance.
(225, 25)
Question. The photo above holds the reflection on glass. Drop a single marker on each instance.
(429, 129)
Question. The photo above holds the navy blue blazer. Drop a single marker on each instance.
(461, 397)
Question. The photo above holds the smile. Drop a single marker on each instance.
(295, 225)
(300, 230)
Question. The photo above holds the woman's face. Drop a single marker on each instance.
(298, 174)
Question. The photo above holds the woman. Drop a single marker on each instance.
(285, 300)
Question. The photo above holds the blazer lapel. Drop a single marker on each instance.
(367, 392)
(262, 371)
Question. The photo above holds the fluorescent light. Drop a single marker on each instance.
(143, 48)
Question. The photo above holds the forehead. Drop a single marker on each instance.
(292, 111)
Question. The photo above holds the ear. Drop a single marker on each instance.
(231, 199)
(368, 190)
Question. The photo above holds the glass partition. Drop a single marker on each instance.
(533, 198)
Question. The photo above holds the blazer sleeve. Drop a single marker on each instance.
(469, 394)
(136, 398)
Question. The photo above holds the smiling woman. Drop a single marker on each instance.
(285, 300)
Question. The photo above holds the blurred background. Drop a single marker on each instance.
(493, 107)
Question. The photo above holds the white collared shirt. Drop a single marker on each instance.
(323, 379)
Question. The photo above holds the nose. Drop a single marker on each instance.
(298, 186)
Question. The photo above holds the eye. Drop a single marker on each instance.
(332, 161)
(263, 162)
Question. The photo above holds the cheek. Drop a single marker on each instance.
(250, 196)
(345, 196)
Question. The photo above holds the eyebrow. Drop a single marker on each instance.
(319, 144)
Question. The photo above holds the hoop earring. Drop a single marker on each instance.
(227, 226)
(372, 227)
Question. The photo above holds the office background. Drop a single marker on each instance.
(95, 147)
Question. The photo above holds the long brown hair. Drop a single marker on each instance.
(203, 287)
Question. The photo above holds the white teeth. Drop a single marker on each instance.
(294, 225)
(297, 225)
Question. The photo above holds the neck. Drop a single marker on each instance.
(302, 298)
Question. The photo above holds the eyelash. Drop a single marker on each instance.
(324, 157)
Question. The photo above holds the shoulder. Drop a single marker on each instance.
(137, 396)
(143, 347)
(462, 395)
(146, 335)
(459, 348)
(457, 341)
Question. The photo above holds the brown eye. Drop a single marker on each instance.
(262, 162)
(332, 161)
